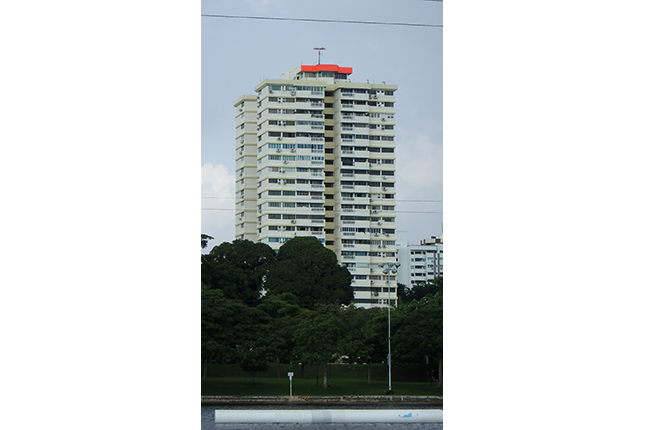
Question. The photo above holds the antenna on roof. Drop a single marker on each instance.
(319, 49)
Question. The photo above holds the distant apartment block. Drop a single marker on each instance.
(419, 263)
(315, 157)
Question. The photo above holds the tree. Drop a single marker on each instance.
(229, 328)
(218, 331)
(418, 332)
(357, 340)
(308, 270)
(253, 361)
(318, 335)
(419, 291)
(238, 269)
(282, 309)
(205, 239)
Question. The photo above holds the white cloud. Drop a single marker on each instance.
(217, 181)
(218, 223)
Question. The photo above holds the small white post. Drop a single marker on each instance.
(290, 375)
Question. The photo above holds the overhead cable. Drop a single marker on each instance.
(273, 18)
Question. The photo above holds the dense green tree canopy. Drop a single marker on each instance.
(418, 332)
(419, 291)
(238, 269)
(308, 270)
(318, 335)
(307, 316)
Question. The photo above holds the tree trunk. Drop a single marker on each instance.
(302, 370)
(369, 372)
(325, 376)
(278, 360)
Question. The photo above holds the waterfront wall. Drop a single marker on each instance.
(263, 400)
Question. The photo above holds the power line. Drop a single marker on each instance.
(408, 24)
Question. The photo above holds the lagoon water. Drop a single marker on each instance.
(208, 422)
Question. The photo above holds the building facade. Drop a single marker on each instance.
(315, 157)
(419, 263)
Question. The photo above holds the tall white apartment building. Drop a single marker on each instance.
(419, 263)
(315, 157)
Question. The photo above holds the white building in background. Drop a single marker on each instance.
(315, 157)
(419, 263)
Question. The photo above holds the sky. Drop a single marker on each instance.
(237, 54)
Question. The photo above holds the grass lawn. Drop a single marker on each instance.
(344, 380)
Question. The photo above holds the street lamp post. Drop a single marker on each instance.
(387, 269)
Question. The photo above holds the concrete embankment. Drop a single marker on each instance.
(322, 400)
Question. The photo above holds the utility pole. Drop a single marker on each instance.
(389, 268)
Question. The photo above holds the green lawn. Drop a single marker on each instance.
(344, 380)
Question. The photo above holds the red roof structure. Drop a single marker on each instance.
(326, 68)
